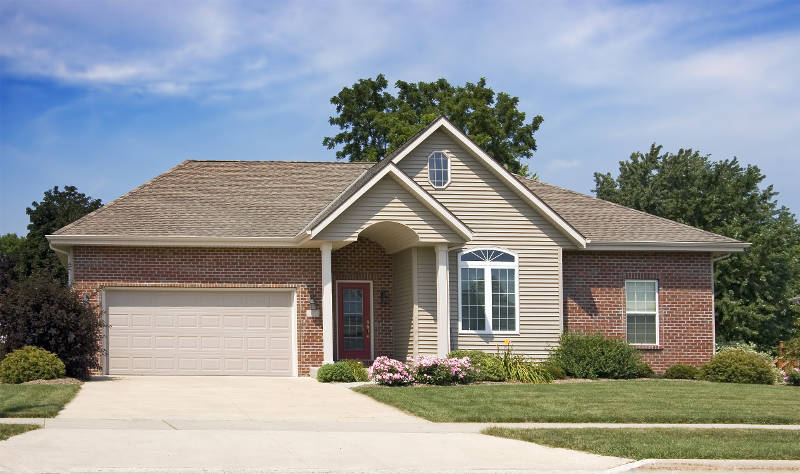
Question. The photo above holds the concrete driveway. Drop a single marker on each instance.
(228, 424)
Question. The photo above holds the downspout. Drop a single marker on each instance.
(714, 298)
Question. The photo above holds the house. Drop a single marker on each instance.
(273, 268)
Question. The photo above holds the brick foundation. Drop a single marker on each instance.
(594, 300)
(96, 268)
(365, 260)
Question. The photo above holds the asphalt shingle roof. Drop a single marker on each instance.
(223, 199)
(604, 221)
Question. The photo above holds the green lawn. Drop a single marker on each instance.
(7, 431)
(629, 401)
(674, 443)
(34, 401)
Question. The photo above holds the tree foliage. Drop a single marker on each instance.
(57, 209)
(374, 122)
(752, 288)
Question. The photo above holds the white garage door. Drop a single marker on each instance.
(163, 332)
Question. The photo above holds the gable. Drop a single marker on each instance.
(388, 201)
(478, 197)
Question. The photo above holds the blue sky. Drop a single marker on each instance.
(106, 95)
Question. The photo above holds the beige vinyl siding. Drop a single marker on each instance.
(498, 217)
(426, 291)
(402, 304)
(388, 201)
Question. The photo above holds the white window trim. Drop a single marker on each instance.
(658, 331)
(487, 275)
(449, 169)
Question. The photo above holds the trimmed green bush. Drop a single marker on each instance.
(592, 355)
(555, 371)
(343, 371)
(739, 366)
(682, 371)
(488, 366)
(645, 371)
(30, 363)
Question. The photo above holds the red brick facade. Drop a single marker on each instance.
(194, 267)
(364, 260)
(594, 300)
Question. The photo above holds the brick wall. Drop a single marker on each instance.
(594, 300)
(196, 267)
(364, 260)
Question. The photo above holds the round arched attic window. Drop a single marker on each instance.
(439, 169)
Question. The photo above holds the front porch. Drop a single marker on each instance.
(385, 294)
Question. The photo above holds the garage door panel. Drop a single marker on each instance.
(174, 332)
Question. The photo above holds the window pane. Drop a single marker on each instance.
(640, 296)
(642, 328)
(353, 315)
(487, 256)
(503, 299)
(473, 304)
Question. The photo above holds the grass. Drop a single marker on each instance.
(674, 443)
(629, 401)
(7, 431)
(34, 401)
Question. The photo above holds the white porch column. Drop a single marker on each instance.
(442, 301)
(327, 304)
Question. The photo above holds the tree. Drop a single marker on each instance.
(752, 288)
(373, 122)
(42, 312)
(10, 248)
(57, 209)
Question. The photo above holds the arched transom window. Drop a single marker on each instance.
(439, 169)
(488, 289)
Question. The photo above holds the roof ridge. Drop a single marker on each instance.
(115, 201)
(626, 207)
(362, 163)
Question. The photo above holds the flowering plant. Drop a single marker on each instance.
(442, 371)
(792, 376)
(388, 371)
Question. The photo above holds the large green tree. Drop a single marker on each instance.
(753, 288)
(374, 122)
(57, 209)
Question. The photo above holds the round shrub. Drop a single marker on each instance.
(343, 371)
(592, 355)
(388, 371)
(739, 366)
(488, 367)
(555, 371)
(435, 371)
(40, 312)
(682, 371)
(30, 363)
(645, 371)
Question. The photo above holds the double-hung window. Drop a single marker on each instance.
(488, 291)
(641, 310)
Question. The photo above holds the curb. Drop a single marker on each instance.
(721, 465)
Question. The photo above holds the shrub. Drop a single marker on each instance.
(30, 363)
(388, 371)
(343, 371)
(555, 371)
(645, 371)
(739, 366)
(792, 377)
(593, 355)
(40, 312)
(488, 367)
(682, 371)
(518, 369)
(436, 371)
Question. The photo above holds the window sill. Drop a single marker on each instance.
(648, 347)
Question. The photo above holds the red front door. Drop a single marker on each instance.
(354, 320)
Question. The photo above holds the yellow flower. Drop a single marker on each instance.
(506, 342)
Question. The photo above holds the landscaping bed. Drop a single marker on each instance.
(34, 401)
(620, 401)
(673, 443)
